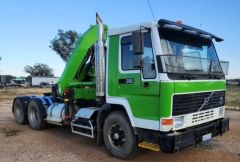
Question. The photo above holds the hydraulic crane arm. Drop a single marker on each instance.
(84, 43)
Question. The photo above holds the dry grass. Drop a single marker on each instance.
(233, 96)
(20, 91)
(6, 94)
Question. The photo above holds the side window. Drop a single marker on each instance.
(127, 55)
(128, 58)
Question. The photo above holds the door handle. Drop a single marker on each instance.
(146, 84)
(126, 81)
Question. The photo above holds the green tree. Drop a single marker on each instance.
(64, 43)
(39, 70)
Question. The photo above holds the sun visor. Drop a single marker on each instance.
(167, 24)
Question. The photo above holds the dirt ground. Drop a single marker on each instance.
(20, 143)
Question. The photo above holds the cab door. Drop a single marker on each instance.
(140, 88)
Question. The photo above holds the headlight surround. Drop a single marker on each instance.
(178, 122)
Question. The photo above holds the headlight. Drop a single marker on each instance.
(178, 121)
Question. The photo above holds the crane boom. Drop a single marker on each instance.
(84, 43)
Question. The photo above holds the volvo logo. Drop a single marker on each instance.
(206, 101)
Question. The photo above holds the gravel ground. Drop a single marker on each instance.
(20, 143)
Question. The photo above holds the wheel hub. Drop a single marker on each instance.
(116, 136)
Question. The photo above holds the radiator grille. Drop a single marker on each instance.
(190, 103)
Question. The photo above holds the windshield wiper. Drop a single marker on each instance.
(214, 76)
(195, 70)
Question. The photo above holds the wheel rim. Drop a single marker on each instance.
(33, 115)
(116, 136)
(18, 112)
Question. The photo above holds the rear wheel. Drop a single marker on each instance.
(20, 111)
(118, 135)
(36, 114)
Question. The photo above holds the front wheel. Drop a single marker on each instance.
(118, 135)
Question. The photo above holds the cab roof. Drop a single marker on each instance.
(131, 28)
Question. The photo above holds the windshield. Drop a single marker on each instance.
(187, 54)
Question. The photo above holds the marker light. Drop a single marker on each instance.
(166, 124)
(179, 22)
(66, 91)
(167, 121)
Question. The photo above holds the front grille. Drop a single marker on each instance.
(201, 116)
(190, 103)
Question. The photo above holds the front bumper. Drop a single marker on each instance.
(172, 142)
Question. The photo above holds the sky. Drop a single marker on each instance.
(27, 26)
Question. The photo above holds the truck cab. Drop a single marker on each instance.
(158, 85)
(179, 85)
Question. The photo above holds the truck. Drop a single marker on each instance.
(18, 82)
(35, 81)
(157, 85)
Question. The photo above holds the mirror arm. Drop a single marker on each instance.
(141, 59)
(141, 71)
(144, 27)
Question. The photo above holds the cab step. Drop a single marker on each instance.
(150, 146)
(82, 127)
(82, 123)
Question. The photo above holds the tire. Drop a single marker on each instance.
(20, 111)
(36, 114)
(118, 135)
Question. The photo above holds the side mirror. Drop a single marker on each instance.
(138, 44)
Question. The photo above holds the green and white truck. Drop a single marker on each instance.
(158, 85)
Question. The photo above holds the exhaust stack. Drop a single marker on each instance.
(100, 64)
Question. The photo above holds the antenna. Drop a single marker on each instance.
(201, 18)
(150, 8)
